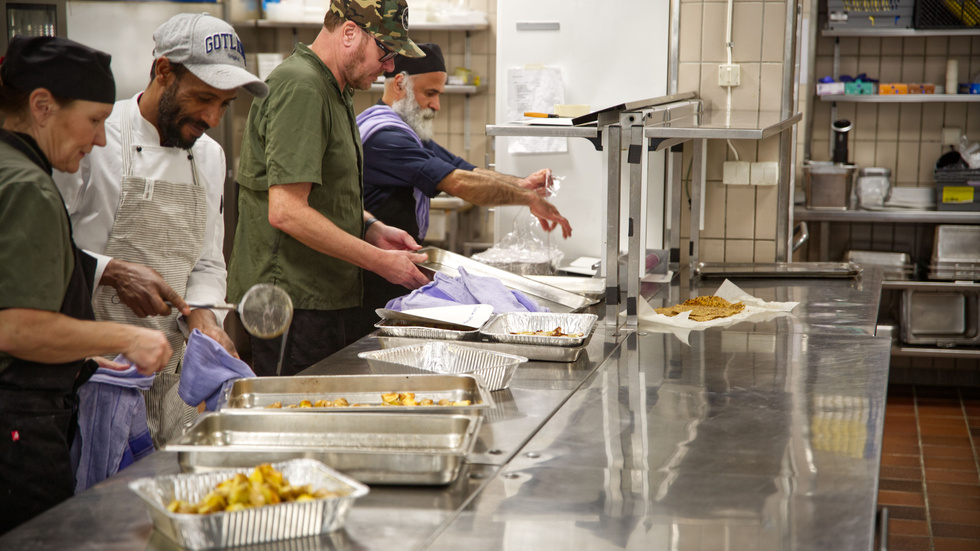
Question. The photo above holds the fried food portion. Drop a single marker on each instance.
(264, 486)
(703, 308)
(556, 332)
(387, 399)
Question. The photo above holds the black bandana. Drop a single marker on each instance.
(66, 68)
(431, 63)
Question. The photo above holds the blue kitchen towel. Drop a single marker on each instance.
(206, 367)
(112, 431)
(466, 289)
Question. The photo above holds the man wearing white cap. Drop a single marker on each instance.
(149, 205)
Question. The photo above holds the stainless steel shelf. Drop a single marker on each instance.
(872, 33)
(450, 88)
(721, 124)
(935, 352)
(920, 216)
(901, 285)
(542, 131)
(416, 26)
(904, 98)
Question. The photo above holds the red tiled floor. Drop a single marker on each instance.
(930, 474)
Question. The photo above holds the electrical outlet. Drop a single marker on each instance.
(728, 75)
(735, 172)
(951, 136)
(764, 174)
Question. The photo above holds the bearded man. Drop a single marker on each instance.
(149, 205)
(404, 167)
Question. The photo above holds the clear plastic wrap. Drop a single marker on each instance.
(527, 249)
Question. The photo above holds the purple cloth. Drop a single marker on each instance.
(466, 289)
(112, 430)
(375, 118)
(206, 370)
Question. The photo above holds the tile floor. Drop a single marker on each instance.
(929, 468)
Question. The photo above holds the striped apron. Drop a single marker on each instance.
(159, 223)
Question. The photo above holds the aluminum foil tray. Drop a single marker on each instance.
(248, 526)
(494, 368)
(257, 393)
(398, 328)
(501, 327)
(531, 352)
(374, 448)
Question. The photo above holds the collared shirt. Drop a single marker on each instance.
(393, 165)
(36, 260)
(304, 131)
(92, 196)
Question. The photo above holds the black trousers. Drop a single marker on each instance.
(312, 336)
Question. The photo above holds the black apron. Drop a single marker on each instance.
(38, 404)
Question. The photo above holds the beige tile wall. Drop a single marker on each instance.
(740, 221)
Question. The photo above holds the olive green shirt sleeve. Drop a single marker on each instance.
(296, 136)
(35, 259)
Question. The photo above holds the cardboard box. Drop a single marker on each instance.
(859, 88)
(893, 88)
(922, 88)
(830, 88)
(958, 196)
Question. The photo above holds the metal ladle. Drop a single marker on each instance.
(265, 310)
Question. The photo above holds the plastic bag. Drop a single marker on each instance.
(521, 251)
(970, 151)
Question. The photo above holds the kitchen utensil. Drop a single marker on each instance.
(265, 309)
(827, 185)
(841, 129)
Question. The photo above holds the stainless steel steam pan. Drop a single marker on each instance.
(555, 299)
(257, 393)
(494, 368)
(399, 328)
(248, 526)
(530, 351)
(778, 270)
(501, 328)
(374, 448)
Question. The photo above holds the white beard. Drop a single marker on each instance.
(420, 119)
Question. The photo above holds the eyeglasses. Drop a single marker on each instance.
(386, 54)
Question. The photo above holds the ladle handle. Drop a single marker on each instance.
(218, 306)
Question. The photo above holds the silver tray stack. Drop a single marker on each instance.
(407, 329)
(894, 266)
(399, 447)
(494, 368)
(956, 253)
(249, 526)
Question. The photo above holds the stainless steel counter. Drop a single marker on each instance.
(760, 437)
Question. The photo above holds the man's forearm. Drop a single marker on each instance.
(484, 189)
(507, 178)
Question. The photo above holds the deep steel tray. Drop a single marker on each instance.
(555, 299)
(529, 351)
(374, 448)
(257, 393)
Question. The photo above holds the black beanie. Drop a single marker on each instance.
(65, 67)
(431, 63)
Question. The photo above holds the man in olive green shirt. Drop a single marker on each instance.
(301, 214)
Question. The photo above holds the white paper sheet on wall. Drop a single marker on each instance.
(539, 90)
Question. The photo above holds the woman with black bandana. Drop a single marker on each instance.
(55, 95)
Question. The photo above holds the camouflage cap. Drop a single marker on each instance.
(387, 20)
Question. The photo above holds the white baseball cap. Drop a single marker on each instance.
(210, 49)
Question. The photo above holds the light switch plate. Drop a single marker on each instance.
(728, 75)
